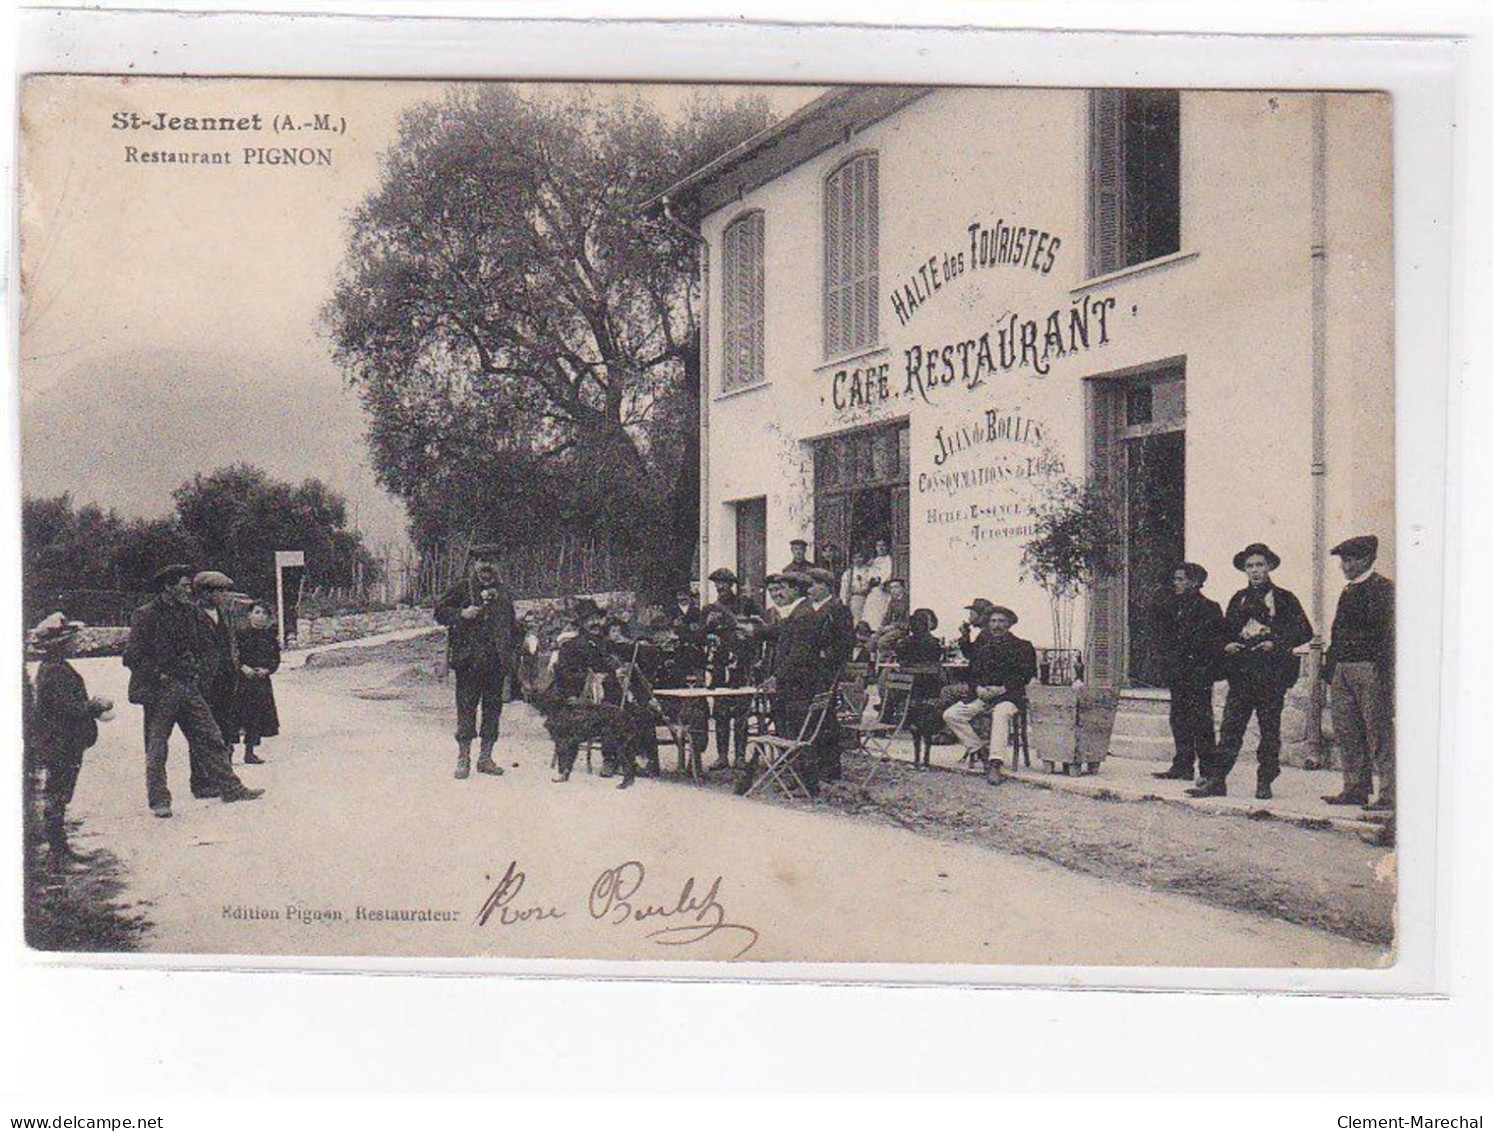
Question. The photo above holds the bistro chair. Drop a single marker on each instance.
(779, 755)
(875, 738)
(854, 693)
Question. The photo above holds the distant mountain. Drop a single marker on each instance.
(124, 431)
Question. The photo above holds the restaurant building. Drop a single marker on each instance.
(928, 309)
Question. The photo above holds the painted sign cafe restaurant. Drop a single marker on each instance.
(928, 309)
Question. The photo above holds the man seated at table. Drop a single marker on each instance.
(1000, 666)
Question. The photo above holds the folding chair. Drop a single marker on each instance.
(854, 693)
(780, 754)
(874, 739)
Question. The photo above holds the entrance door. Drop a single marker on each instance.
(751, 546)
(861, 496)
(1138, 450)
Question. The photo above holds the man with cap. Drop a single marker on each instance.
(1264, 624)
(1001, 664)
(1193, 634)
(801, 562)
(64, 724)
(482, 647)
(1360, 671)
(795, 635)
(214, 592)
(173, 655)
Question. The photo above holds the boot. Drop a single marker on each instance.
(251, 758)
(485, 764)
(463, 758)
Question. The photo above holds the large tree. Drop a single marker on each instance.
(522, 334)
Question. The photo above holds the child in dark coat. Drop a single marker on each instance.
(254, 709)
(64, 725)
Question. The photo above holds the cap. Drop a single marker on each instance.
(53, 629)
(1194, 571)
(1272, 559)
(823, 576)
(212, 579)
(722, 575)
(797, 542)
(797, 580)
(1360, 546)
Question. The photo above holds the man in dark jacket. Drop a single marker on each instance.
(1194, 633)
(801, 562)
(1360, 670)
(482, 648)
(173, 655)
(64, 725)
(836, 643)
(214, 592)
(795, 636)
(1264, 624)
(729, 657)
(1001, 664)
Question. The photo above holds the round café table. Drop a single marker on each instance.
(689, 757)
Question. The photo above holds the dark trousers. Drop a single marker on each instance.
(620, 732)
(1265, 701)
(1192, 729)
(730, 732)
(479, 687)
(182, 705)
(62, 779)
(788, 714)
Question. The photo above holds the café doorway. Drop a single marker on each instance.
(861, 497)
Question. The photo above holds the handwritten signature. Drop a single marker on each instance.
(617, 900)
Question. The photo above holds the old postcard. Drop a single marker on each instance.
(897, 525)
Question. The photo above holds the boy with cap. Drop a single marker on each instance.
(800, 563)
(483, 642)
(64, 724)
(1265, 623)
(1194, 633)
(1000, 666)
(172, 654)
(1360, 671)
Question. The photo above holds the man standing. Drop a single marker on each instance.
(212, 590)
(1001, 664)
(1360, 671)
(836, 643)
(482, 648)
(172, 654)
(800, 563)
(1194, 634)
(728, 660)
(1264, 623)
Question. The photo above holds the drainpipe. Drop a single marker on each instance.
(704, 553)
(1314, 736)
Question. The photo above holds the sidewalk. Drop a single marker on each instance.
(1298, 793)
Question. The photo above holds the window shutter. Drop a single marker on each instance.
(851, 218)
(743, 294)
(1106, 598)
(873, 249)
(831, 266)
(831, 524)
(1107, 172)
(758, 296)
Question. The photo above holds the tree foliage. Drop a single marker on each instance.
(232, 520)
(1078, 539)
(522, 336)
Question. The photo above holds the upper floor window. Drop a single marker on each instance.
(744, 293)
(852, 217)
(1135, 195)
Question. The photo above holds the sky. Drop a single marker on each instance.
(171, 313)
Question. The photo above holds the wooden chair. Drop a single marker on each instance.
(778, 755)
(874, 739)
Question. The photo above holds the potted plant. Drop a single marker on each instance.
(1078, 541)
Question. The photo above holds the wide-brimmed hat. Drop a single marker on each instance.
(722, 575)
(212, 579)
(1359, 546)
(1002, 611)
(1272, 559)
(981, 605)
(928, 616)
(54, 629)
(170, 575)
(1194, 571)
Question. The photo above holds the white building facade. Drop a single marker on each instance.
(928, 309)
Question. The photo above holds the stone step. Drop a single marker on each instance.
(1145, 747)
(1131, 725)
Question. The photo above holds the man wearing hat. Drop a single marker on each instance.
(1264, 624)
(728, 654)
(214, 592)
(482, 647)
(1360, 670)
(800, 563)
(1193, 634)
(585, 701)
(1001, 664)
(173, 655)
(64, 724)
(796, 659)
(836, 643)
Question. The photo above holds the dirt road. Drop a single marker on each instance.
(365, 844)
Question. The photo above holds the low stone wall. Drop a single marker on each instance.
(101, 641)
(353, 626)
